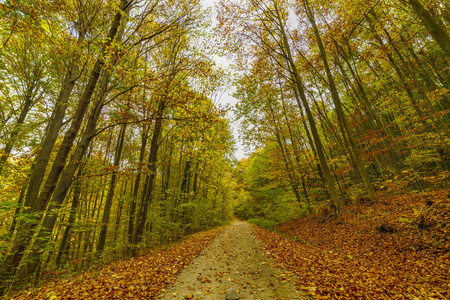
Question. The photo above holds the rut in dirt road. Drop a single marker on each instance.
(234, 260)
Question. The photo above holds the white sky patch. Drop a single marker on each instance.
(225, 98)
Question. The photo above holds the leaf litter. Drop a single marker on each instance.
(397, 248)
(234, 261)
(142, 277)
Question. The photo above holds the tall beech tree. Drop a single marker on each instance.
(38, 202)
(436, 30)
(273, 39)
(111, 141)
(130, 86)
(355, 73)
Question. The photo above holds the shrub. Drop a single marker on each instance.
(264, 223)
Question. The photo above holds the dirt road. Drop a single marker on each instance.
(234, 260)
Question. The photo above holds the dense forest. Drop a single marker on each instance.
(344, 100)
(112, 140)
(110, 137)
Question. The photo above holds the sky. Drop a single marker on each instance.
(226, 98)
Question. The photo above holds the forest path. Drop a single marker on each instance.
(235, 259)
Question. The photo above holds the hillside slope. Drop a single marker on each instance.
(397, 248)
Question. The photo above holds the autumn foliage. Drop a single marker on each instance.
(138, 278)
(397, 248)
(112, 139)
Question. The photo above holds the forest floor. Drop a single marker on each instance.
(142, 277)
(231, 258)
(398, 248)
(234, 260)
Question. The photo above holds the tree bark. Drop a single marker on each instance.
(109, 198)
(346, 131)
(17, 127)
(437, 31)
(132, 213)
(300, 89)
(72, 215)
(152, 160)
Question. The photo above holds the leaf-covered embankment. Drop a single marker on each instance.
(138, 278)
(397, 248)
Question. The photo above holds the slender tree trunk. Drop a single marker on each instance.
(306, 195)
(339, 110)
(131, 219)
(285, 153)
(317, 141)
(12, 228)
(72, 216)
(119, 210)
(147, 197)
(109, 198)
(17, 127)
(195, 183)
(288, 168)
(168, 172)
(308, 135)
(186, 177)
(184, 190)
(437, 31)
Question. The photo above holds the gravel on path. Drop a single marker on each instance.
(234, 260)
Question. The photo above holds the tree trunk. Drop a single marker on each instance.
(109, 198)
(317, 141)
(119, 210)
(131, 219)
(152, 159)
(339, 110)
(72, 215)
(285, 153)
(12, 228)
(17, 127)
(437, 32)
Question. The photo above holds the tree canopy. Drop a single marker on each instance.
(111, 140)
